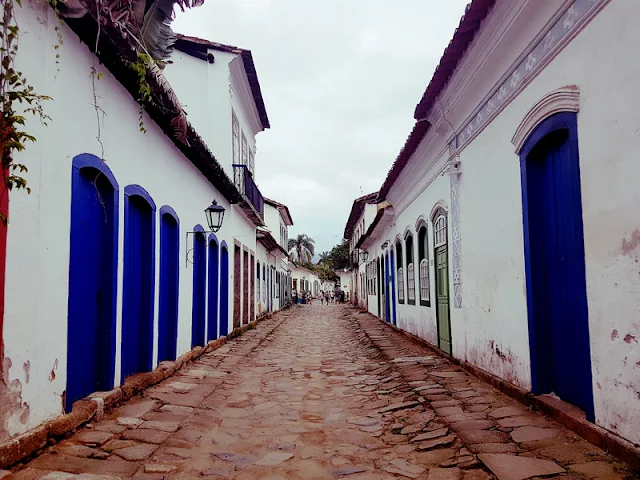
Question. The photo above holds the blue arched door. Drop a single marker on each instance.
(213, 294)
(139, 281)
(554, 260)
(92, 279)
(199, 287)
(169, 284)
(224, 289)
(387, 293)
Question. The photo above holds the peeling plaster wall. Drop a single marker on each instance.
(35, 329)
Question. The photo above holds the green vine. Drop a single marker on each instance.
(139, 67)
(14, 90)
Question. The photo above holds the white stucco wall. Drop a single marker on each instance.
(491, 328)
(35, 326)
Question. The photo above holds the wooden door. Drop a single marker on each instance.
(554, 258)
(442, 296)
(169, 286)
(92, 284)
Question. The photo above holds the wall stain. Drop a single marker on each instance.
(630, 244)
(614, 335)
(630, 338)
(26, 367)
(10, 401)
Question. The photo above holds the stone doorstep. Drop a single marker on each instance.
(557, 410)
(22, 446)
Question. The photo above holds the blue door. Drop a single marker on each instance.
(554, 257)
(224, 289)
(213, 293)
(392, 271)
(199, 288)
(387, 294)
(138, 282)
(93, 261)
(169, 287)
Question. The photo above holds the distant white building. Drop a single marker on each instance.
(507, 227)
(363, 212)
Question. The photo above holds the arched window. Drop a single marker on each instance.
(440, 230)
(423, 258)
(411, 276)
(400, 272)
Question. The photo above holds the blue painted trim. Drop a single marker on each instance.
(538, 343)
(199, 285)
(169, 211)
(169, 294)
(137, 190)
(387, 296)
(88, 160)
(137, 358)
(77, 318)
(213, 287)
(224, 289)
(393, 287)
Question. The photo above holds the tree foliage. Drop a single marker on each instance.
(301, 248)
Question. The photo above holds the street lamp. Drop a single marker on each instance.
(364, 256)
(215, 215)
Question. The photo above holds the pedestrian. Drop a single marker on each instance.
(294, 295)
(342, 296)
(321, 297)
(332, 295)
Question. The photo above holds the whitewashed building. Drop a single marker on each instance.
(111, 267)
(507, 228)
(363, 212)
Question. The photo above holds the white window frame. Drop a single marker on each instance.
(440, 231)
(424, 280)
(411, 282)
(235, 137)
(400, 284)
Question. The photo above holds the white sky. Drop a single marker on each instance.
(340, 80)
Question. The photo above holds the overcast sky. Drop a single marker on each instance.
(340, 80)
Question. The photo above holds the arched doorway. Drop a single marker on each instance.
(198, 310)
(441, 258)
(139, 281)
(554, 262)
(224, 289)
(214, 281)
(91, 329)
(169, 284)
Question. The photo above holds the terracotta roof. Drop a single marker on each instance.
(420, 129)
(284, 210)
(270, 243)
(356, 210)
(184, 42)
(474, 14)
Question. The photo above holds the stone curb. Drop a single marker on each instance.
(598, 436)
(26, 444)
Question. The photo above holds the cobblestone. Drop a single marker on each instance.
(321, 392)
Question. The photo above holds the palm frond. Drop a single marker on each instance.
(156, 34)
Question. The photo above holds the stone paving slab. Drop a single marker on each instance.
(317, 392)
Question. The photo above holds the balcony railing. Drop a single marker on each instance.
(247, 187)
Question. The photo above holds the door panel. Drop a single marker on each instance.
(92, 273)
(168, 298)
(554, 253)
(442, 294)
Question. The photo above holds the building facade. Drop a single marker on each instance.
(506, 230)
(111, 266)
(363, 212)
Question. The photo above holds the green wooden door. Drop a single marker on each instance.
(442, 296)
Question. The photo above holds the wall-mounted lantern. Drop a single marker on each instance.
(364, 256)
(215, 216)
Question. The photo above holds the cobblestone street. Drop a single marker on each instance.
(320, 392)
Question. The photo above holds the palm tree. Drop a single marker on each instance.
(325, 257)
(301, 248)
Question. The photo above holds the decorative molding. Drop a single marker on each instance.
(439, 204)
(456, 241)
(552, 41)
(565, 99)
(421, 222)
